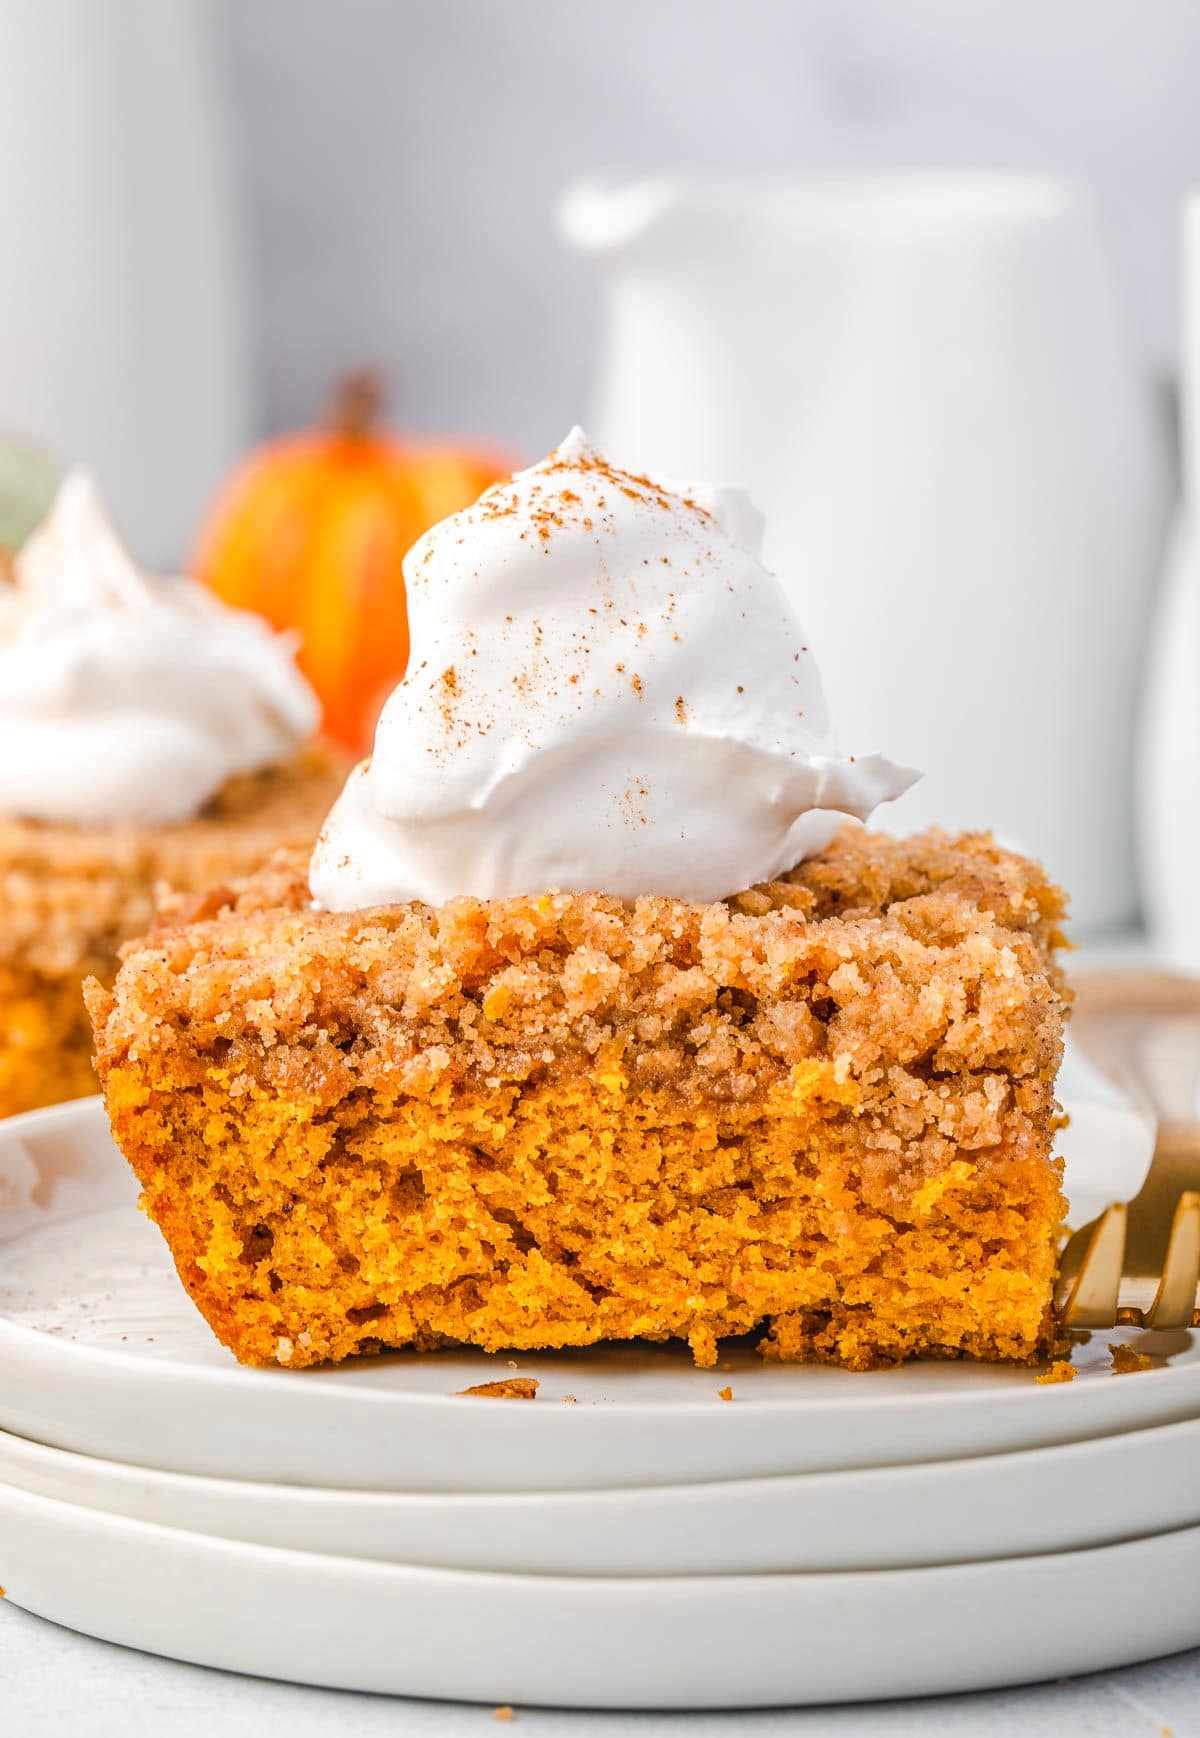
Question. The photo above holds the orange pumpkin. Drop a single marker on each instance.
(311, 533)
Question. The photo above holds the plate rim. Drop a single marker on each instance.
(615, 1586)
(969, 1466)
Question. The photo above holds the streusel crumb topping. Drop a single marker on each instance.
(927, 956)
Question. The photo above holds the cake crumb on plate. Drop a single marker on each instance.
(1125, 1360)
(512, 1388)
(1061, 1370)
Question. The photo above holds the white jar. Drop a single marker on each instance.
(927, 384)
(121, 341)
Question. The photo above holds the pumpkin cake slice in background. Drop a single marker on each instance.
(604, 1023)
(149, 737)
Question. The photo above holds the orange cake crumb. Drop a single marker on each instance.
(511, 1388)
(1061, 1370)
(822, 1110)
(1125, 1360)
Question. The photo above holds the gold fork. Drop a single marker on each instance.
(1138, 1263)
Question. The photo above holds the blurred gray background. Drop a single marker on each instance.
(397, 160)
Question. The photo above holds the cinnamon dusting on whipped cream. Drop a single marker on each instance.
(609, 692)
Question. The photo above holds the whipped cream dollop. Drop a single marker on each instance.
(126, 697)
(607, 692)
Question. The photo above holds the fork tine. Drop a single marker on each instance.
(1092, 1300)
(1175, 1300)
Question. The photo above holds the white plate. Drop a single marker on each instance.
(714, 1642)
(101, 1352)
(1010, 1505)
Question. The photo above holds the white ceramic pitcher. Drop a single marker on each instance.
(927, 384)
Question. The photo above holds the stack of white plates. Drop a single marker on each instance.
(627, 1539)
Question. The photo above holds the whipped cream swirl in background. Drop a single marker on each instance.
(125, 697)
(607, 692)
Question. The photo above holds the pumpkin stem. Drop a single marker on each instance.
(356, 403)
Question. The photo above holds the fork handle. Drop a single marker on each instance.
(1174, 1172)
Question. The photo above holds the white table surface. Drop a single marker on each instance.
(63, 1685)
